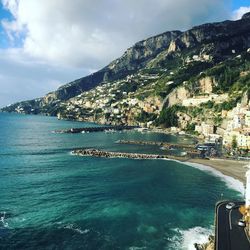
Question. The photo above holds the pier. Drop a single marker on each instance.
(94, 129)
(162, 144)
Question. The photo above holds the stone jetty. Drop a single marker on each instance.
(94, 129)
(162, 144)
(106, 154)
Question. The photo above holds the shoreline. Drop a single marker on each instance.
(232, 172)
(232, 181)
(231, 168)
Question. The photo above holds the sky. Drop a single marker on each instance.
(44, 44)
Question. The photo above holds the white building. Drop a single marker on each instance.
(205, 129)
(238, 121)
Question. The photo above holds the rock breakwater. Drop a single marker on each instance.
(162, 144)
(106, 154)
(94, 129)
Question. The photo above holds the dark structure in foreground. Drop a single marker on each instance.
(230, 232)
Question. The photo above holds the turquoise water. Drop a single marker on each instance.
(52, 200)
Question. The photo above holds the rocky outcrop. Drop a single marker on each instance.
(215, 39)
(137, 56)
(176, 96)
(206, 84)
(207, 246)
(225, 35)
(183, 120)
(245, 99)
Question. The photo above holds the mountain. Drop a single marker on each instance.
(133, 59)
(155, 81)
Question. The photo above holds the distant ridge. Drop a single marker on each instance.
(206, 45)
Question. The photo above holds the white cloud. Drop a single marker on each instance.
(23, 78)
(90, 33)
(63, 40)
(237, 14)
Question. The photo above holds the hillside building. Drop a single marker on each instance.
(205, 129)
(241, 136)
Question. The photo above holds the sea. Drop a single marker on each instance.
(51, 199)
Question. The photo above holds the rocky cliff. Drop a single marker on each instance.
(175, 68)
(132, 60)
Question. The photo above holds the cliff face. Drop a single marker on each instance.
(176, 96)
(137, 56)
(217, 40)
(132, 60)
(167, 66)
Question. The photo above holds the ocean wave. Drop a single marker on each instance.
(136, 248)
(3, 221)
(185, 239)
(76, 229)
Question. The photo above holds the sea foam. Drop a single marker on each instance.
(3, 221)
(231, 182)
(75, 228)
(185, 239)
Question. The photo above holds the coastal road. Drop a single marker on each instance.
(228, 235)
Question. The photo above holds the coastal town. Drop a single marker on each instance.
(101, 105)
(135, 101)
(107, 104)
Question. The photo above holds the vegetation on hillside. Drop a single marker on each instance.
(168, 116)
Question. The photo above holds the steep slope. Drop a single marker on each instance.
(154, 81)
(133, 59)
(217, 40)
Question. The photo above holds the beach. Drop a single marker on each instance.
(232, 168)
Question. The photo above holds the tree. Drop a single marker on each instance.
(168, 117)
(234, 142)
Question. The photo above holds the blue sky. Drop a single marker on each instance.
(238, 3)
(44, 44)
(4, 14)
